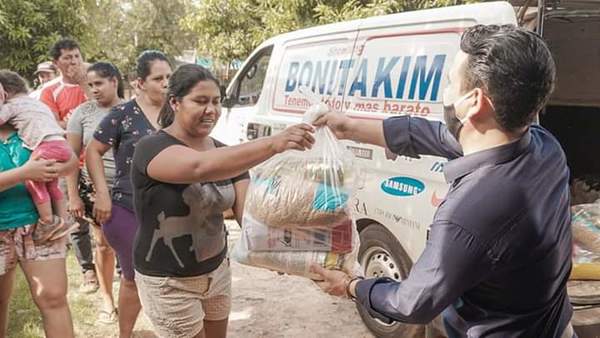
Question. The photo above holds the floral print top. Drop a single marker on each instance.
(122, 128)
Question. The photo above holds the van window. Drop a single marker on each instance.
(251, 82)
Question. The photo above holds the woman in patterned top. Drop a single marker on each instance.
(106, 88)
(120, 130)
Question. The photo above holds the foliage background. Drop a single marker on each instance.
(118, 30)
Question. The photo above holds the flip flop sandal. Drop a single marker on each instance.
(64, 230)
(108, 317)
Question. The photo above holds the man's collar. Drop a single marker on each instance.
(63, 83)
(462, 166)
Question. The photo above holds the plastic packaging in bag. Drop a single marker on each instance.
(296, 210)
(586, 235)
(263, 238)
(297, 257)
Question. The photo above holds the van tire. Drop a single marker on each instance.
(375, 239)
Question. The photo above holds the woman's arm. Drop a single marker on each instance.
(95, 166)
(183, 165)
(240, 188)
(75, 204)
(35, 169)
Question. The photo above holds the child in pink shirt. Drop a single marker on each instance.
(37, 127)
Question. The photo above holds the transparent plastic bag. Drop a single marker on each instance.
(263, 238)
(586, 235)
(296, 211)
(304, 189)
(293, 251)
(586, 227)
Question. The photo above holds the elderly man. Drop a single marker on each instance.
(44, 73)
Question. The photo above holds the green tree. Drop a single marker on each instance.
(225, 29)
(231, 29)
(124, 28)
(28, 28)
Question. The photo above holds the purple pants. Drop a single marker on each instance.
(119, 231)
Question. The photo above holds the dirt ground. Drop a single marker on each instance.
(268, 305)
(265, 305)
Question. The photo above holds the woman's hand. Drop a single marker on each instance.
(76, 206)
(298, 137)
(102, 208)
(41, 170)
(68, 167)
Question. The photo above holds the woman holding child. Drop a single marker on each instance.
(42, 261)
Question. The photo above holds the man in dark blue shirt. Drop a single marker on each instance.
(499, 252)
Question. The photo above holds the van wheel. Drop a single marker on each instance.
(381, 255)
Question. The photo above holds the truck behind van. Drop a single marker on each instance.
(397, 64)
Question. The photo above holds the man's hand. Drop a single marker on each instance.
(40, 170)
(334, 282)
(340, 124)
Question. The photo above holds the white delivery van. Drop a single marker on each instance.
(371, 68)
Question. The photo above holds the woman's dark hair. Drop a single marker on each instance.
(107, 70)
(12, 82)
(144, 62)
(514, 67)
(180, 84)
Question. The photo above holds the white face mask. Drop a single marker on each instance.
(453, 123)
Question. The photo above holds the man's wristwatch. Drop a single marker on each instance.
(348, 293)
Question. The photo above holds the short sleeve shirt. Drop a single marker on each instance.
(122, 128)
(62, 98)
(182, 232)
(16, 207)
(33, 120)
(84, 121)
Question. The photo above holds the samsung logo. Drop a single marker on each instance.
(402, 186)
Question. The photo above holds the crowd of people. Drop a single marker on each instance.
(152, 185)
(78, 129)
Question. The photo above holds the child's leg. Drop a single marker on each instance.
(60, 207)
(58, 150)
(57, 196)
(59, 204)
(41, 198)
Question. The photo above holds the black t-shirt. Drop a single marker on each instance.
(182, 232)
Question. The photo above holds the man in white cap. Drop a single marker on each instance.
(45, 73)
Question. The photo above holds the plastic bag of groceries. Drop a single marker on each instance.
(586, 236)
(296, 210)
